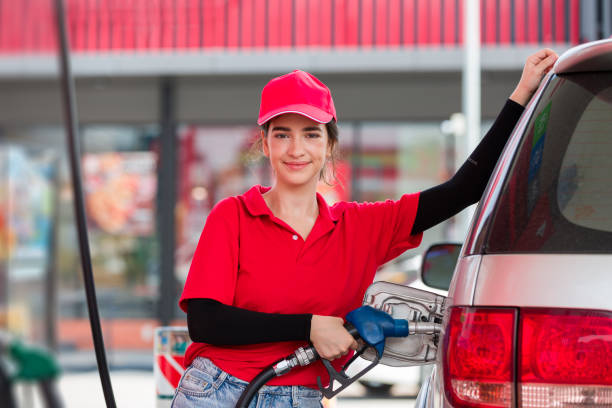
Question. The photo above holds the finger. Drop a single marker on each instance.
(543, 53)
(354, 345)
(547, 63)
(325, 352)
(550, 51)
(332, 356)
(550, 59)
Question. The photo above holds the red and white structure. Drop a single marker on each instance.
(169, 353)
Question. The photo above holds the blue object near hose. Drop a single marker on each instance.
(375, 326)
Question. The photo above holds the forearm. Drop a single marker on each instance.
(213, 322)
(467, 185)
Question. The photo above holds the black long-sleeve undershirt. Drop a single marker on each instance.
(212, 322)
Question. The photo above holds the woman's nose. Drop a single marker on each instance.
(296, 146)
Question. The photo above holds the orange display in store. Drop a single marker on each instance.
(120, 191)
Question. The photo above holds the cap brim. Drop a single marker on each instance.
(311, 112)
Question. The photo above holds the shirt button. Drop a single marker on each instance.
(295, 237)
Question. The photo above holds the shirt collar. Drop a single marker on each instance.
(256, 205)
(254, 202)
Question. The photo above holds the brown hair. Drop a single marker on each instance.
(328, 173)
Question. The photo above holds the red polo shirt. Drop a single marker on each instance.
(251, 259)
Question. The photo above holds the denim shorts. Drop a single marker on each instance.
(206, 385)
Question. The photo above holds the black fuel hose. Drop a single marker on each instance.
(254, 386)
(74, 151)
(305, 356)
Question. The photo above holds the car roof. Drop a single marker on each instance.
(592, 56)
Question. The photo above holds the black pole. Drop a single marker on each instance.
(166, 199)
(71, 119)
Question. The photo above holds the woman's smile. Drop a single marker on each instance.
(296, 165)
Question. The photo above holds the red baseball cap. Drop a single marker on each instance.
(297, 92)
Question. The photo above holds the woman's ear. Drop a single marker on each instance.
(264, 145)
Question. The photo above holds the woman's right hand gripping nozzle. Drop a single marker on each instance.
(330, 338)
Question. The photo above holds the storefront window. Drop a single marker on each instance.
(28, 191)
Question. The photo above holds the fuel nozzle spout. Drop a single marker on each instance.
(424, 328)
(375, 326)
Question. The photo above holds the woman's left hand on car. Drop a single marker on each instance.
(536, 67)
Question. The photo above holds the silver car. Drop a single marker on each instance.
(528, 317)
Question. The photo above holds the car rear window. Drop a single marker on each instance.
(584, 187)
(558, 194)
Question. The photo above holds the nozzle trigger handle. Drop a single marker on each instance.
(372, 326)
(340, 376)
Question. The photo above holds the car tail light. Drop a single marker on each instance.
(566, 358)
(478, 357)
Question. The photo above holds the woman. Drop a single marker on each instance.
(277, 267)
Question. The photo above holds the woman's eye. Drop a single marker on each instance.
(313, 135)
(280, 135)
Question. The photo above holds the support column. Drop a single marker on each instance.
(471, 94)
(166, 201)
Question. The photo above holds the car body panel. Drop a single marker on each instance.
(424, 392)
(592, 56)
(432, 394)
(509, 280)
(463, 285)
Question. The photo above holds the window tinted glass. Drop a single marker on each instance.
(558, 195)
(584, 190)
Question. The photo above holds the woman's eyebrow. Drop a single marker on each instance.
(306, 129)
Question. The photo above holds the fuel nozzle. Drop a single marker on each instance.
(375, 326)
